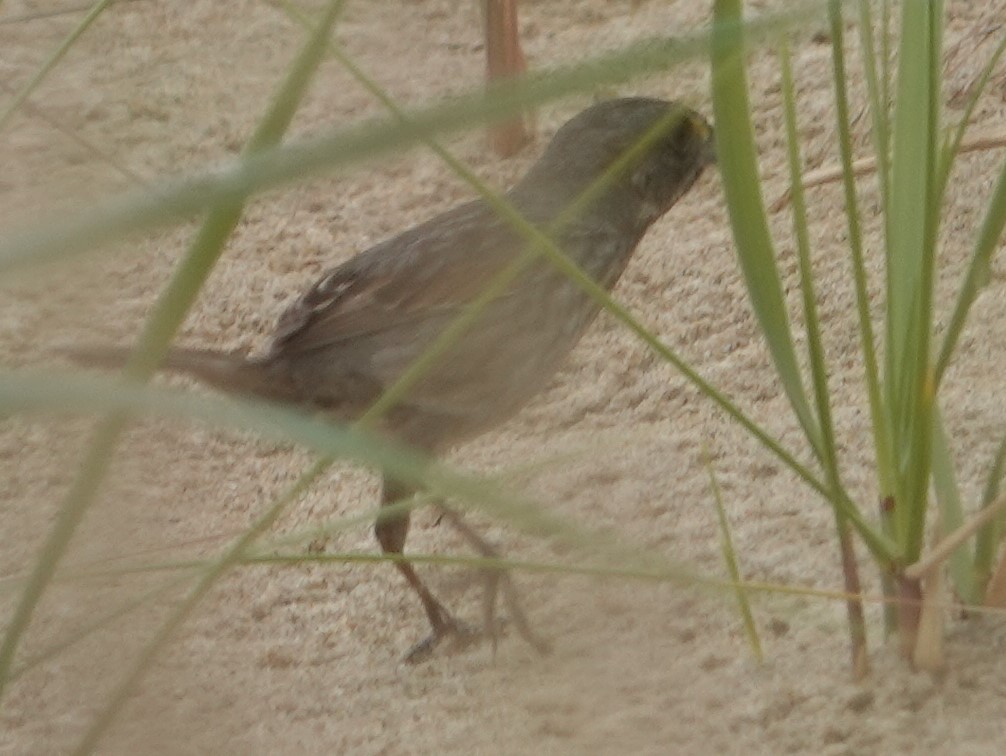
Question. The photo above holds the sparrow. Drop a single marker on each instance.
(352, 334)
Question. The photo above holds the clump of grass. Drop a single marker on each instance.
(914, 157)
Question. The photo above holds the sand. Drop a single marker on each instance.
(307, 658)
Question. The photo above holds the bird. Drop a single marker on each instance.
(605, 177)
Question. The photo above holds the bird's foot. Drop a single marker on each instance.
(451, 634)
(495, 582)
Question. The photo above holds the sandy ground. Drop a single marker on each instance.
(306, 659)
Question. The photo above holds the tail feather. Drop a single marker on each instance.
(228, 371)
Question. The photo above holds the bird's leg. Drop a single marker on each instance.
(391, 532)
(495, 579)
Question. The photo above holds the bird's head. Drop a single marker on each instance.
(641, 152)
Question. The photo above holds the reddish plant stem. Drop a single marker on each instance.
(505, 61)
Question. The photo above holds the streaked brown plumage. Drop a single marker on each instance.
(354, 332)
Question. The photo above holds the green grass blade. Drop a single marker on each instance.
(730, 558)
(879, 423)
(34, 392)
(879, 419)
(977, 275)
(232, 556)
(178, 297)
(819, 368)
(989, 538)
(962, 565)
(949, 155)
(912, 228)
(885, 63)
(876, 91)
(167, 318)
(73, 135)
(815, 347)
(978, 268)
(737, 158)
(160, 328)
(95, 624)
(25, 92)
(923, 393)
(913, 144)
(59, 238)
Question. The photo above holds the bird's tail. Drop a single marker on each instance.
(233, 372)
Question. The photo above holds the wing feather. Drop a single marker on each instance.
(400, 282)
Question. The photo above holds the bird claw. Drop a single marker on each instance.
(461, 634)
(495, 579)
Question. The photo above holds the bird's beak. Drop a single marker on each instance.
(706, 133)
(710, 151)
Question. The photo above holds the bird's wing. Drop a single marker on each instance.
(427, 272)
